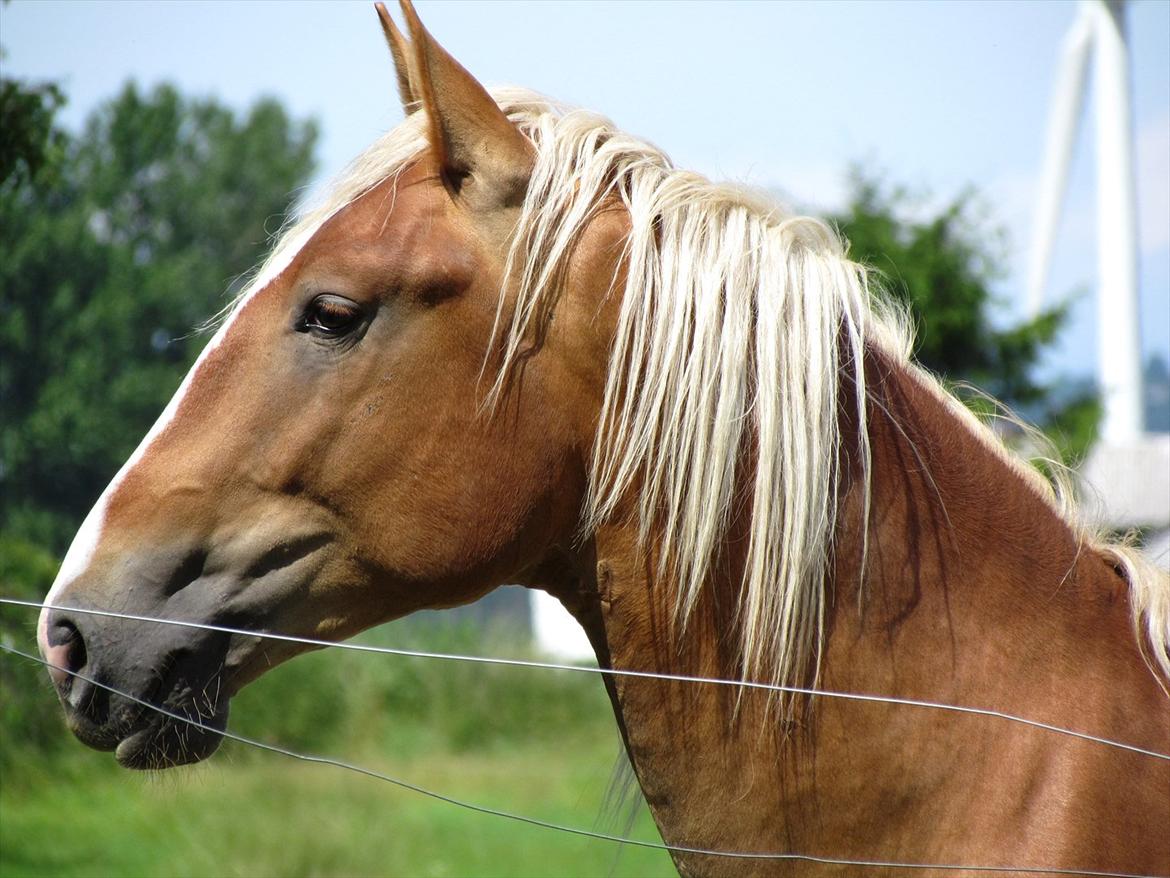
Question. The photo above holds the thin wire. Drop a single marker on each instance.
(615, 672)
(572, 830)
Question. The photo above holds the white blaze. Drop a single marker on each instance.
(85, 543)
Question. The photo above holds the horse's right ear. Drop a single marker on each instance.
(400, 51)
(471, 138)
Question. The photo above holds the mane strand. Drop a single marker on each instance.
(712, 272)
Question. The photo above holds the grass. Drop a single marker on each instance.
(267, 817)
(536, 743)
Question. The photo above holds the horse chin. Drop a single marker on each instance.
(169, 743)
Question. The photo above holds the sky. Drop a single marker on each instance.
(785, 96)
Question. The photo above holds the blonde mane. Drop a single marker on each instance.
(736, 322)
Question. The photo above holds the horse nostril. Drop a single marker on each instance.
(66, 653)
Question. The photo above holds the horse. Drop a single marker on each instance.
(515, 344)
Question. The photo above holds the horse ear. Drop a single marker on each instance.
(469, 134)
(400, 51)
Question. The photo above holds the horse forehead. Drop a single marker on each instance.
(407, 231)
(395, 214)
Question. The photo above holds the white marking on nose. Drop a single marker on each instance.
(85, 542)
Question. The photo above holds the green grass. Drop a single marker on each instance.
(536, 743)
(271, 816)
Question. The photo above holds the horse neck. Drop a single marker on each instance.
(976, 592)
(965, 543)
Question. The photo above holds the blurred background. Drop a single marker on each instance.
(148, 151)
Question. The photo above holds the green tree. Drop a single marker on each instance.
(944, 267)
(29, 141)
(114, 246)
(106, 269)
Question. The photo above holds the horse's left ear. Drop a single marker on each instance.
(400, 52)
(481, 154)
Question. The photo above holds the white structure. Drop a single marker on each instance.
(1128, 472)
(1133, 482)
(557, 633)
(1099, 30)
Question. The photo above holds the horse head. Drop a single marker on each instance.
(331, 460)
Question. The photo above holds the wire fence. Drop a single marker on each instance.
(612, 672)
(574, 830)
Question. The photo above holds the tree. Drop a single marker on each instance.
(943, 267)
(106, 269)
(114, 246)
(29, 141)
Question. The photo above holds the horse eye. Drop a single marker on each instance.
(330, 316)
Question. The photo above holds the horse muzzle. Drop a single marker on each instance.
(146, 645)
(154, 694)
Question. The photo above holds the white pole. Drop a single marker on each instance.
(1117, 301)
(1067, 101)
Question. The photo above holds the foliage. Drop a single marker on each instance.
(29, 714)
(113, 246)
(943, 266)
(29, 142)
(107, 265)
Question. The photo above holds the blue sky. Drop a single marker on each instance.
(786, 96)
